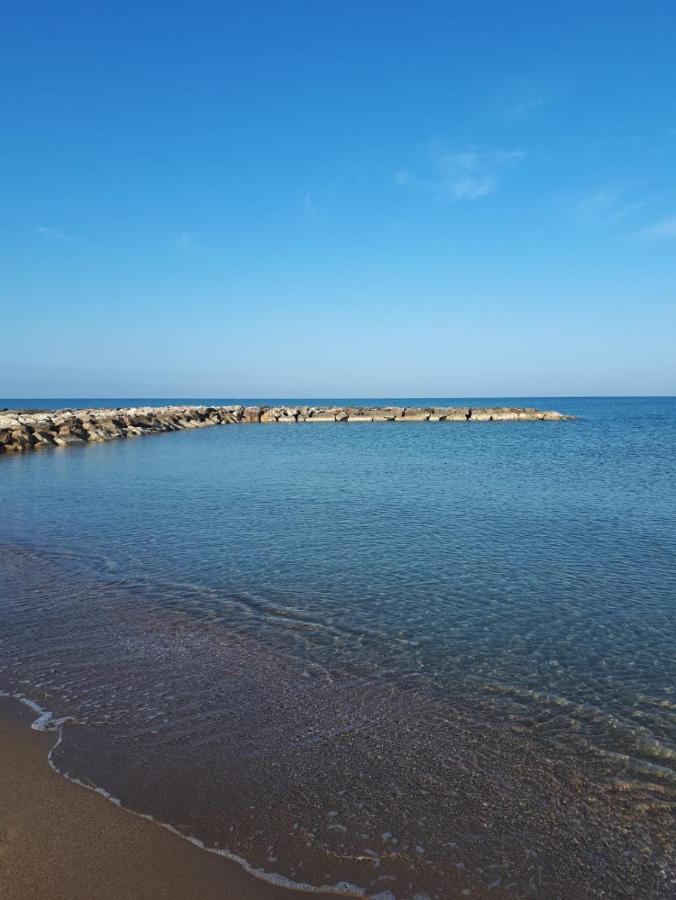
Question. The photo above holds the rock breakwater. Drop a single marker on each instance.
(22, 430)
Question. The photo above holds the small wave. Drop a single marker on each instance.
(47, 721)
(655, 751)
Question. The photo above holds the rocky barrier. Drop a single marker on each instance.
(33, 429)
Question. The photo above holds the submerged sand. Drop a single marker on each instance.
(59, 840)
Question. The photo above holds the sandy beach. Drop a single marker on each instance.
(59, 840)
(338, 451)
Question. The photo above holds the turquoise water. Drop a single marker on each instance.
(460, 636)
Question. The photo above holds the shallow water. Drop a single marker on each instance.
(418, 658)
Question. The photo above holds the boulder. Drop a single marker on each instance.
(43, 437)
(64, 440)
(325, 412)
(413, 414)
(139, 421)
(386, 413)
(271, 415)
(504, 414)
(452, 413)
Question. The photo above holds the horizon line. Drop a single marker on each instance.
(288, 397)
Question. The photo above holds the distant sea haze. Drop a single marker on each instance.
(427, 660)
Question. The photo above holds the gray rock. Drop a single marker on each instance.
(26, 430)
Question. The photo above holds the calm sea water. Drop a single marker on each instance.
(430, 658)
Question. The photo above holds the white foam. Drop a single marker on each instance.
(47, 722)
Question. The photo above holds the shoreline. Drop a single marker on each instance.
(447, 736)
(59, 839)
(22, 430)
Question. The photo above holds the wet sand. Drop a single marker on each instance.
(59, 840)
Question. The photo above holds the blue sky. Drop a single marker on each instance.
(337, 198)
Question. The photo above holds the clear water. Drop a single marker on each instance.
(434, 658)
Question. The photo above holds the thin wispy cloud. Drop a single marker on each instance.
(310, 208)
(608, 206)
(465, 175)
(49, 231)
(523, 107)
(628, 209)
(665, 230)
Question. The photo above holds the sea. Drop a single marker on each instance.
(426, 660)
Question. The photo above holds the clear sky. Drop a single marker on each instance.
(337, 198)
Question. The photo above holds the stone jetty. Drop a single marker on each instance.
(34, 429)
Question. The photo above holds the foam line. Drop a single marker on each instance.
(46, 721)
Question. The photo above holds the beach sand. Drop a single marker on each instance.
(59, 840)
